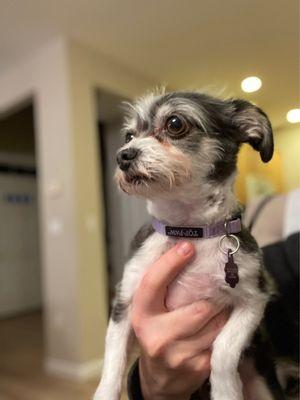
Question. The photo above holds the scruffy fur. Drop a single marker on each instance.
(188, 180)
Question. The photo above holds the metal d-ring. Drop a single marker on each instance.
(226, 227)
(229, 236)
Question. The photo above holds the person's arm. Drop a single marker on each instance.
(176, 345)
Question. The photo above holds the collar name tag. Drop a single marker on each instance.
(233, 225)
(184, 232)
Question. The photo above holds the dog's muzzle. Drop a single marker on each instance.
(126, 157)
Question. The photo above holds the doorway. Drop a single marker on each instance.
(20, 281)
(124, 214)
(20, 269)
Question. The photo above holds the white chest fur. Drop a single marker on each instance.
(203, 278)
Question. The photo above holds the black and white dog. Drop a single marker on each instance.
(180, 154)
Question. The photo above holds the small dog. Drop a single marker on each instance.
(180, 154)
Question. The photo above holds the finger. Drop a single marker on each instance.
(186, 321)
(150, 295)
(201, 365)
(203, 339)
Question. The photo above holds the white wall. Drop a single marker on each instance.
(88, 72)
(62, 78)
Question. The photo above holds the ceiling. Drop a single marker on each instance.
(210, 44)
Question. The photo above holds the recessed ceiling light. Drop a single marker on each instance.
(251, 84)
(293, 116)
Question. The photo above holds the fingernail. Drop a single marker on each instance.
(185, 248)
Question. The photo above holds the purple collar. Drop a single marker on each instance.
(198, 232)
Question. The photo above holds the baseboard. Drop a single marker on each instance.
(74, 371)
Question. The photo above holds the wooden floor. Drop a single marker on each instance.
(21, 359)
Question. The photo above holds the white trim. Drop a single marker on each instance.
(74, 371)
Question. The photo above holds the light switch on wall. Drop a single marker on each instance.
(54, 189)
(55, 226)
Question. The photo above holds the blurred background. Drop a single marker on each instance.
(65, 67)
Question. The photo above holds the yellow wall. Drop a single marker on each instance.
(282, 172)
(287, 142)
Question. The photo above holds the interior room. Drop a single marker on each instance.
(67, 68)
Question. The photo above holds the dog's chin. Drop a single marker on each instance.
(147, 186)
(135, 183)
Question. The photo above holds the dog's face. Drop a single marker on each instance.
(184, 139)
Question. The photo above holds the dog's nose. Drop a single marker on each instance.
(125, 157)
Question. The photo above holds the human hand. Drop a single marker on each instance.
(175, 345)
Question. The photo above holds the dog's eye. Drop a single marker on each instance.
(176, 126)
(129, 136)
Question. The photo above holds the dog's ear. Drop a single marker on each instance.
(253, 127)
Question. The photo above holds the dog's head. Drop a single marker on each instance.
(187, 138)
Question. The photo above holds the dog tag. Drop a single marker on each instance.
(231, 271)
